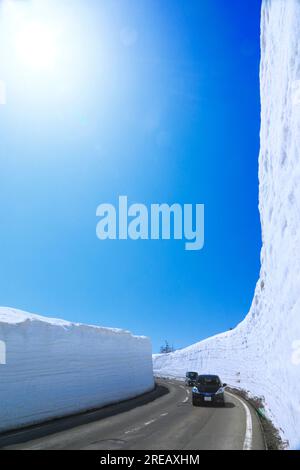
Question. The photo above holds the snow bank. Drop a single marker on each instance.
(262, 354)
(54, 367)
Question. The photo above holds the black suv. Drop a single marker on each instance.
(208, 389)
(191, 378)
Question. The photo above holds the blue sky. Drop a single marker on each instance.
(155, 100)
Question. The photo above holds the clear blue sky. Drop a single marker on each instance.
(157, 100)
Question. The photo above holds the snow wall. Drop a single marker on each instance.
(262, 355)
(54, 368)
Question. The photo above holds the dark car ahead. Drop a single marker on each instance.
(191, 378)
(208, 389)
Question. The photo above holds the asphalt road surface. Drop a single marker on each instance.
(160, 420)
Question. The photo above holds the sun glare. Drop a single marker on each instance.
(32, 32)
(36, 45)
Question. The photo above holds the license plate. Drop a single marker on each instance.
(207, 398)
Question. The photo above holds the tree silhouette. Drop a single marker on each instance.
(166, 348)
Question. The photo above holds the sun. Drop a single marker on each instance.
(36, 45)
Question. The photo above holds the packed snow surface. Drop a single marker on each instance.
(54, 367)
(262, 355)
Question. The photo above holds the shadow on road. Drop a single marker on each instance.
(220, 407)
(63, 424)
(229, 404)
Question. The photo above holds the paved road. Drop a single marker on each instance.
(164, 419)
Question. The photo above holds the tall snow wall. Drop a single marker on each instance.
(53, 368)
(262, 355)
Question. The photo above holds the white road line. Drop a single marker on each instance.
(149, 422)
(187, 397)
(130, 431)
(187, 393)
(140, 427)
(133, 430)
(249, 433)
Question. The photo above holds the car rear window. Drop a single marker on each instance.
(192, 375)
(209, 380)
